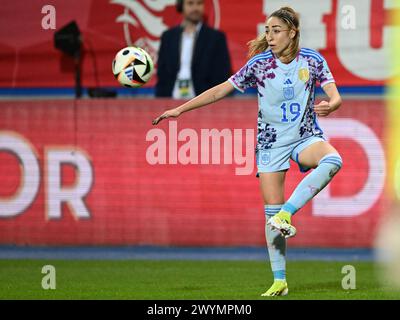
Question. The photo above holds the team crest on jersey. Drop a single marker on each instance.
(304, 74)
(265, 157)
(288, 93)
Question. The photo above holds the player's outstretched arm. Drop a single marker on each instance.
(212, 95)
(324, 108)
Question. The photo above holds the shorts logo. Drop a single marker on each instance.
(265, 157)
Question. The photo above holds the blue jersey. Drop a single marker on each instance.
(286, 94)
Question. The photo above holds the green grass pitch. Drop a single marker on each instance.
(226, 280)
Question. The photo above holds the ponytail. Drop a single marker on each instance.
(257, 45)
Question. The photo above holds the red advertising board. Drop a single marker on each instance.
(97, 172)
(352, 35)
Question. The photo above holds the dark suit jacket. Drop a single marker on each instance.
(210, 63)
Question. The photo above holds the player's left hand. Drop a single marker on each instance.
(323, 109)
(167, 114)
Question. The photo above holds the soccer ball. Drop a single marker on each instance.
(132, 67)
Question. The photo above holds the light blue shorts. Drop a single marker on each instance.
(278, 159)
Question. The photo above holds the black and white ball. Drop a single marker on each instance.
(132, 67)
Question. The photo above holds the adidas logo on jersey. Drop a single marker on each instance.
(288, 82)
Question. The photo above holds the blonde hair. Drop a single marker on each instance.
(289, 17)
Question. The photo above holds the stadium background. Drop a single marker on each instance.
(94, 151)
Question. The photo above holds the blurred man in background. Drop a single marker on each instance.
(193, 57)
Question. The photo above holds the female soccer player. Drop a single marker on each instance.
(285, 76)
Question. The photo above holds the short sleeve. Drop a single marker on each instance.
(324, 74)
(244, 78)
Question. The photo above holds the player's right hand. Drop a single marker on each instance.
(323, 109)
(167, 114)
